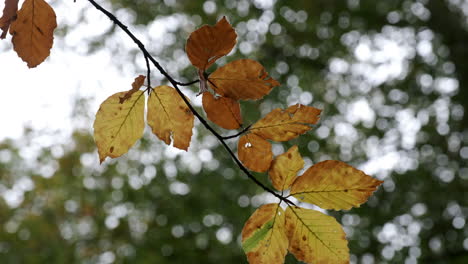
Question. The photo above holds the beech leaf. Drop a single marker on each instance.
(9, 14)
(333, 184)
(255, 152)
(208, 43)
(242, 80)
(264, 236)
(284, 125)
(33, 31)
(223, 111)
(315, 237)
(169, 117)
(119, 125)
(284, 168)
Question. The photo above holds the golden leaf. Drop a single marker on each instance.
(9, 14)
(333, 184)
(255, 152)
(284, 125)
(264, 236)
(315, 237)
(223, 111)
(284, 168)
(118, 126)
(208, 43)
(169, 117)
(242, 80)
(33, 31)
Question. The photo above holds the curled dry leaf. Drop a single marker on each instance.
(119, 125)
(136, 85)
(242, 80)
(315, 237)
(333, 184)
(169, 117)
(208, 43)
(284, 168)
(264, 236)
(33, 31)
(223, 111)
(255, 152)
(9, 14)
(284, 125)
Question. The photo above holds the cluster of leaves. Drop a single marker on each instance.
(31, 27)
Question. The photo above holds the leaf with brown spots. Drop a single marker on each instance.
(208, 43)
(263, 236)
(119, 125)
(284, 168)
(136, 85)
(333, 184)
(255, 152)
(169, 117)
(33, 31)
(9, 14)
(223, 111)
(315, 237)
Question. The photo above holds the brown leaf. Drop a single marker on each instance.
(136, 85)
(255, 152)
(242, 80)
(9, 14)
(208, 43)
(223, 111)
(33, 31)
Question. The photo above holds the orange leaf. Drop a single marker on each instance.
(315, 237)
(208, 43)
(333, 184)
(169, 117)
(136, 85)
(242, 80)
(9, 13)
(264, 236)
(33, 31)
(222, 111)
(284, 168)
(255, 152)
(284, 125)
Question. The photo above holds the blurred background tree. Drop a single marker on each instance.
(391, 77)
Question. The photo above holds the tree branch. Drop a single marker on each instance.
(176, 86)
(237, 134)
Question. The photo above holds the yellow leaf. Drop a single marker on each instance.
(208, 43)
(118, 126)
(136, 85)
(242, 80)
(333, 184)
(264, 237)
(255, 152)
(284, 168)
(315, 237)
(284, 125)
(33, 31)
(9, 13)
(223, 111)
(169, 117)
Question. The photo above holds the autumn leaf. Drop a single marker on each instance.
(315, 237)
(284, 168)
(223, 111)
(242, 80)
(208, 43)
(333, 184)
(136, 85)
(255, 152)
(169, 117)
(263, 236)
(9, 14)
(284, 125)
(119, 125)
(33, 31)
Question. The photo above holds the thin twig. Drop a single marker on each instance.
(187, 84)
(148, 73)
(176, 86)
(237, 134)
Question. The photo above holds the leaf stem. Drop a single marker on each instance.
(237, 134)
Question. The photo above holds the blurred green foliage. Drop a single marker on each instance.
(392, 78)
